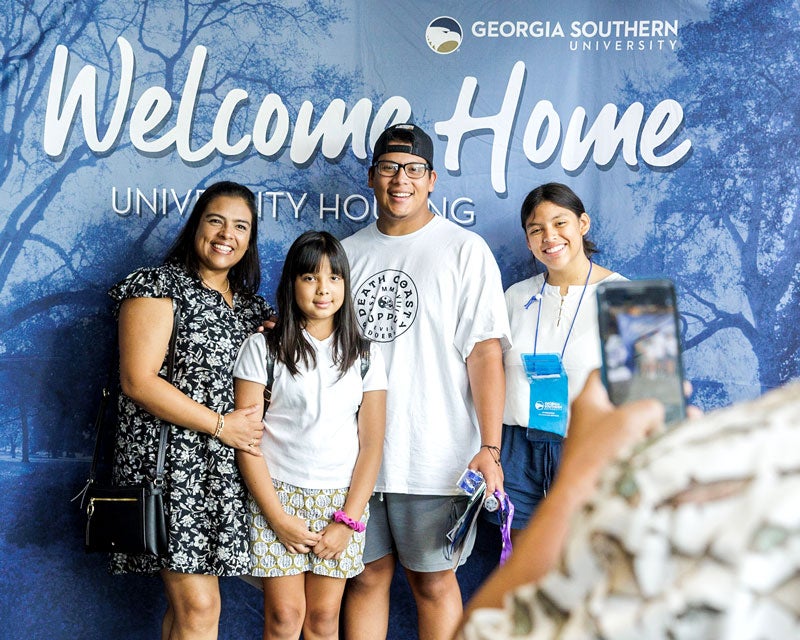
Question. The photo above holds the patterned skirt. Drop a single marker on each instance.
(270, 558)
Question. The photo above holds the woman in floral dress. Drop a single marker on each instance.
(212, 272)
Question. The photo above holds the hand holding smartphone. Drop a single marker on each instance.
(640, 343)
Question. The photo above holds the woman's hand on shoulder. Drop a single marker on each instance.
(268, 324)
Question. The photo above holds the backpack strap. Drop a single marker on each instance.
(270, 361)
(365, 346)
(270, 377)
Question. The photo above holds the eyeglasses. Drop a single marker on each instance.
(413, 170)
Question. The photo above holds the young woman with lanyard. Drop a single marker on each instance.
(554, 312)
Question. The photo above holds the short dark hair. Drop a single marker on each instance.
(286, 340)
(245, 275)
(561, 195)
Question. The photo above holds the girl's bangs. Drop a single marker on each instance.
(310, 256)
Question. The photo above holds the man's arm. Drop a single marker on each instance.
(487, 382)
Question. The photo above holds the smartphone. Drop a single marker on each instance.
(639, 337)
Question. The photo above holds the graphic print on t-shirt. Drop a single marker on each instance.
(386, 305)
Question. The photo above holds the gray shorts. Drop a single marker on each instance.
(414, 527)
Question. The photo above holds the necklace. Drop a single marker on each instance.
(208, 286)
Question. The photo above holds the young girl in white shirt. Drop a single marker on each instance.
(322, 444)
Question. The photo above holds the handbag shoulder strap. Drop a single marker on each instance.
(98, 426)
(162, 440)
(99, 421)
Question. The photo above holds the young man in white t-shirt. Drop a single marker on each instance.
(429, 292)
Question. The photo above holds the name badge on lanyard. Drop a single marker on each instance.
(549, 399)
(547, 378)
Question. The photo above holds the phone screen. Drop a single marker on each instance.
(640, 343)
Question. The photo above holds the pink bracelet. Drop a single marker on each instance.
(355, 525)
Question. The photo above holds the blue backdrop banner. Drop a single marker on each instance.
(676, 121)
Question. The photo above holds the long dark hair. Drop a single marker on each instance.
(245, 275)
(286, 340)
(561, 195)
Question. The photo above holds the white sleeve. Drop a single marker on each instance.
(482, 307)
(251, 363)
(375, 378)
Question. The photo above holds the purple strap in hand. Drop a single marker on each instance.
(506, 517)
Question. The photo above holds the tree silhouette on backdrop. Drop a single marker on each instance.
(55, 329)
(729, 221)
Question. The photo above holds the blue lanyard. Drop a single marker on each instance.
(540, 296)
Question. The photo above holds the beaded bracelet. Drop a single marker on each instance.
(355, 525)
(220, 426)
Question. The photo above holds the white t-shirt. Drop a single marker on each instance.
(582, 354)
(427, 298)
(311, 427)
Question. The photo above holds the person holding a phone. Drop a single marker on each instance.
(553, 312)
(602, 433)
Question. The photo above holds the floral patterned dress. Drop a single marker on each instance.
(205, 496)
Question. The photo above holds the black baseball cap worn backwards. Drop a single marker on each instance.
(405, 138)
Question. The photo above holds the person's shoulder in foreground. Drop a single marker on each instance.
(694, 535)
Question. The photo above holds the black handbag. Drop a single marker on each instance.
(128, 518)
